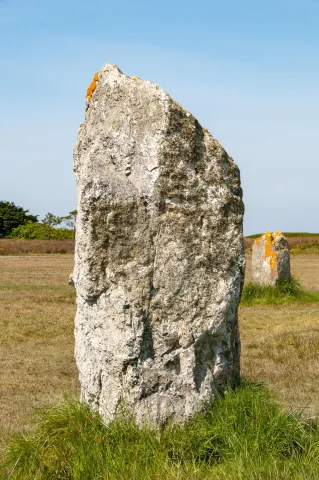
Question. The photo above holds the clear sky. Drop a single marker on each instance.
(247, 69)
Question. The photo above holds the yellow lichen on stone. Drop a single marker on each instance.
(269, 252)
(92, 87)
(134, 78)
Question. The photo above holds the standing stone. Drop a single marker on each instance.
(270, 259)
(159, 261)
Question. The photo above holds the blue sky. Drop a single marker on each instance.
(247, 69)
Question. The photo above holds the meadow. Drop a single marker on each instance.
(280, 349)
(300, 243)
(16, 246)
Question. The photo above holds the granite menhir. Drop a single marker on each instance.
(270, 259)
(159, 261)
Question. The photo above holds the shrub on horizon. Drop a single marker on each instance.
(12, 216)
(39, 231)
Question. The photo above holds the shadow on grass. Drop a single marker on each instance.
(244, 435)
(285, 291)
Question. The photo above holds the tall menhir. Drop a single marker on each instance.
(159, 261)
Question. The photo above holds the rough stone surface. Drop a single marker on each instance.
(159, 261)
(270, 259)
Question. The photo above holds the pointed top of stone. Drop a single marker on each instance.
(111, 69)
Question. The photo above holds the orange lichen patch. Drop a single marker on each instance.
(134, 78)
(269, 251)
(92, 87)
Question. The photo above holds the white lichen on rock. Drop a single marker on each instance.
(270, 259)
(159, 260)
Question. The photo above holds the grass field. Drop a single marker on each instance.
(36, 343)
(280, 344)
(280, 348)
(15, 246)
(299, 243)
(302, 243)
(289, 235)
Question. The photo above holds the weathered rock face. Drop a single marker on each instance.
(270, 259)
(159, 261)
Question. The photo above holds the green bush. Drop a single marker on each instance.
(244, 435)
(11, 216)
(38, 231)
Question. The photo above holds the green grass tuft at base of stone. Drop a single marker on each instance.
(284, 292)
(244, 435)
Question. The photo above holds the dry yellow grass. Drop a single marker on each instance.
(280, 345)
(36, 345)
(16, 246)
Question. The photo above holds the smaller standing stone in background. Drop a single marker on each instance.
(271, 259)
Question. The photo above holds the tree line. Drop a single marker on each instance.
(17, 222)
